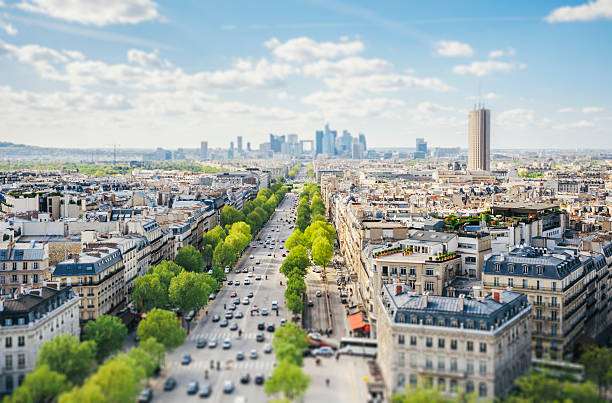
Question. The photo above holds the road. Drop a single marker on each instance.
(264, 292)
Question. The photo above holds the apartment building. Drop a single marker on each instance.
(28, 320)
(465, 344)
(565, 287)
(473, 247)
(23, 265)
(97, 276)
(159, 244)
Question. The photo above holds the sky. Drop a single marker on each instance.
(147, 73)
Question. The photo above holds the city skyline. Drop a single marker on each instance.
(136, 75)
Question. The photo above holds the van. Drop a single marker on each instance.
(275, 305)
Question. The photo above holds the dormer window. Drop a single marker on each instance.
(510, 268)
(497, 267)
(540, 269)
(525, 268)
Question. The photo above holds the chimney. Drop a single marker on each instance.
(497, 295)
(52, 284)
(426, 298)
(399, 289)
(2, 303)
(461, 302)
(35, 291)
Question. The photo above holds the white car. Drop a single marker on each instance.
(227, 270)
(252, 257)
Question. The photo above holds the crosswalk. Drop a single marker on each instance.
(247, 363)
(220, 336)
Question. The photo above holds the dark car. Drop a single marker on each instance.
(310, 303)
(271, 328)
(230, 282)
(186, 359)
(192, 387)
(205, 391)
(216, 318)
(261, 326)
(238, 315)
(245, 378)
(201, 343)
(223, 323)
(240, 356)
(170, 384)
(259, 337)
(145, 396)
(250, 294)
(259, 379)
(229, 315)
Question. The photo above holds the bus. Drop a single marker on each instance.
(360, 346)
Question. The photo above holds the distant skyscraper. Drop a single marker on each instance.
(204, 150)
(239, 142)
(329, 141)
(318, 142)
(479, 140)
(421, 145)
(248, 146)
(276, 143)
(230, 152)
(362, 140)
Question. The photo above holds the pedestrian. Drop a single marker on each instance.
(224, 306)
(327, 382)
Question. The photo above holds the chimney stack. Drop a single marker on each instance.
(399, 289)
(461, 302)
(426, 298)
(497, 295)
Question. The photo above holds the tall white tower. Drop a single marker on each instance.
(479, 140)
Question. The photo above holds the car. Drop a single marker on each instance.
(170, 384)
(227, 344)
(324, 351)
(264, 312)
(212, 296)
(310, 303)
(224, 278)
(250, 275)
(230, 282)
(228, 387)
(236, 301)
(245, 270)
(251, 257)
(284, 255)
(318, 293)
(246, 281)
(344, 301)
(212, 344)
(283, 321)
(233, 294)
(253, 355)
(145, 396)
(201, 343)
(245, 301)
(275, 305)
(259, 379)
(314, 336)
(257, 277)
(261, 326)
(267, 349)
(238, 315)
(259, 337)
(245, 378)
(189, 317)
(237, 282)
(232, 307)
(240, 356)
(210, 272)
(216, 318)
(270, 328)
(223, 323)
(250, 294)
(186, 360)
(205, 391)
(227, 270)
(269, 253)
(257, 262)
(234, 326)
(192, 387)
(229, 315)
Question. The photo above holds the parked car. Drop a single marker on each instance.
(145, 396)
(271, 328)
(267, 349)
(212, 296)
(259, 379)
(245, 378)
(275, 305)
(216, 318)
(310, 303)
(324, 351)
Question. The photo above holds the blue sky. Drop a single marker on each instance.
(143, 73)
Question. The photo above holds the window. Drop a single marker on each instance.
(413, 380)
(553, 315)
(453, 386)
(510, 282)
(496, 281)
(24, 279)
(429, 342)
(525, 268)
(553, 330)
(469, 366)
(538, 285)
(412, 272)
(8, 362)
(453, 365)
(14, 278)
(429, 321)
(524, 283)
(21, 341)
(469, 387)
(428, 363)
(440, 343)
(483, 347)
(554, 285)
(429, 286)
(25, 265)
(35, 278)
(510, 270)
(403, 270)
(35, 265)
(497, 267)
(413, 340)
(470, 259)
(539, 270)
(429, 272)
(385, 270)
(441, 363)
(483, 368)
(8, 342)
(21, 361)
(482, 389)
(394, 271)
(401, 339)
(469, 346)
(401, 380)
(453, 344)
(442, 384)
(401, 359)
(2, 280)
(14, 265)
(413, 360)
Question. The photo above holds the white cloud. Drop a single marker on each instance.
(565, 110)
(593, 10)
(342, 104)
(147, 60)
(351, 66)
(304, 49)
(502, 53)
(574, 125)
(592, 109)
(8, 28)
(43, 59)
(95, 12)
(74, 54)
(490, 95)
(386, 83)
(521, 118)
(484, 68)
(454, 48)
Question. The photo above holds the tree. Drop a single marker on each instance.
(190, 259)
(295, 303)
(230, 215)
(207, 254)
(297, 257)
(164, 327)
(242, 228)
(238, 241)
(188, 292)
(317, 229)
(598, 367)
(539, 387)
(156, 350)
(217, 275)
(316, 205)
(165, 271)
(224, 255)
(254, 221)
(41, 385)
(321, 251)
(148, 293)
(144, 360)
(214, 236)
(262, 213)
(302, 222)
(295, 239)
(108, 333)
(288, 379)
(296, 285)
(66, 355)
(118, 379)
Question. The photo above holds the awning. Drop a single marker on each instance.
(356, 321)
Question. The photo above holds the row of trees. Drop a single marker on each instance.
(294, 171)
(310, 170)
(69, 370)
(288, 379)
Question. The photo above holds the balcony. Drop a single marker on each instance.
(441, 372)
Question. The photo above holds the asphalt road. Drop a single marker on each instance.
(264, 292)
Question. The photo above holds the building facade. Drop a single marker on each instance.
(479, 140)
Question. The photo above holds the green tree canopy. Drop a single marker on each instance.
(187, 291)
(224, 255)
(254, 221)
(190, 259)
(148, 292)
(263, 214)
(321, 251)
(317, 229)
(294, 303)
(295, 239)
(166, 270)
(238, 240)
(214, 236)
(539, 387)
(230, 215)
(288, 379)
(108, 333)
(598, 367)
(155, 350)
(297, 257)
(164, 327)
(40, 386)
(296, 285)
(64, 354)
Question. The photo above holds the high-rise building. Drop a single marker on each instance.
(230, 152)
(239, 143)
(248, 146)
(479, 140)
(276, 142)
(318, 142)
(421, 145)
(362, 140)
(204, 150)
(329, 141)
